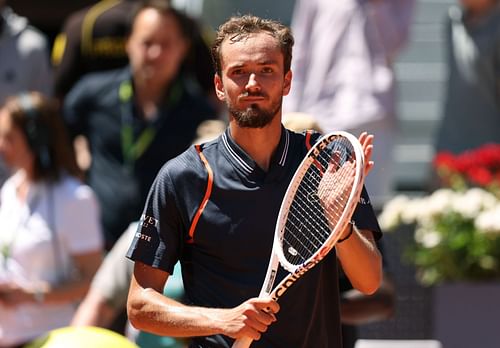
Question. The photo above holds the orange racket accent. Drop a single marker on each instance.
(308, 139)
(308, 146)
(208, 192)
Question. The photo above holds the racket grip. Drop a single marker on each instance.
(243, 342)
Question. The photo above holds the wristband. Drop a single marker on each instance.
(349, 234)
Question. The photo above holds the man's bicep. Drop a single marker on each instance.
(145, 277)
(369, 235)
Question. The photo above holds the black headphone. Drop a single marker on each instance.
(35, 130)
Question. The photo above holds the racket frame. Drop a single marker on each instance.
(277, 257)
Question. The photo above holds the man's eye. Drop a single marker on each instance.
(267, 70)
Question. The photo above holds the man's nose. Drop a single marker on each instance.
(252, 83)
(154, 51)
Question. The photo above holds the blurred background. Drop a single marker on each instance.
(421, 75)
(420, 68)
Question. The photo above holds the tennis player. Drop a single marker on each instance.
(214, 209)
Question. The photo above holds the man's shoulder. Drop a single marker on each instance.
(98, 83)
(105, 78)
(194, 99)
(188, 167)
(305, 138)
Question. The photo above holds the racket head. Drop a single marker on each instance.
(320, 200)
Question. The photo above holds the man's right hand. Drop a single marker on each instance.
(249, 319)
(149, 310)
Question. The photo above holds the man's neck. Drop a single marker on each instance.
(259, 143)
(148, 96)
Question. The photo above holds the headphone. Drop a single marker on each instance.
(37, 133)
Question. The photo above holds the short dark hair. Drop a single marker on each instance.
(39, 119)
(240, 27)
(165, 8)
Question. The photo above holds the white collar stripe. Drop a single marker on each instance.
(238, 159)
(285, 150)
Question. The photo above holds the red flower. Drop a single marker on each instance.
(466, 161)
(479, 167)
(480, 176)
(445, 160)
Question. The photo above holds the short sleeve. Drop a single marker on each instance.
(364, 216)
(157, 241)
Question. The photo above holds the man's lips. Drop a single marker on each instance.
(252, 98)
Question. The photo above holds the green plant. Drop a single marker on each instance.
(457, 227)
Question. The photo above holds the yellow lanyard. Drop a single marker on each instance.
(133, 150)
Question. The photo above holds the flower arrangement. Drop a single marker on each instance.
(457, 227)
(479, 167)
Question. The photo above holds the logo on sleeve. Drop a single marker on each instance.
(147, 221)
(147, 225)
(364, 201)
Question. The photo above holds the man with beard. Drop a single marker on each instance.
(137, 118)
(214, 208)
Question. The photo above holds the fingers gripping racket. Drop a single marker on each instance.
(317, 207)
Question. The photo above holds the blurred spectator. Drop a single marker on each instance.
(209, 130)
(472, 104)
(94, 38)
(107, 296)
(137, 118)
(50, 240)
(24, 56)
(24, 60)
(343, 74)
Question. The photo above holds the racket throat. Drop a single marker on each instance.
(288, 281)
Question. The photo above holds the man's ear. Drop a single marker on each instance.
(287, 82)
(219, 88)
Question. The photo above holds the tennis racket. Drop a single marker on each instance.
(318, 205)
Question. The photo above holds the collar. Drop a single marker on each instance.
(244, 162)
(171, 95)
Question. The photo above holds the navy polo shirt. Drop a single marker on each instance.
(94, 109)
(218, 220)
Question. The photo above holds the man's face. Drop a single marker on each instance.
(156, 47)
(253, 81)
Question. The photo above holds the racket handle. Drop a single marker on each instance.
(243, 342)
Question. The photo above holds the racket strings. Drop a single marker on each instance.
(301, 241)
(310, 221)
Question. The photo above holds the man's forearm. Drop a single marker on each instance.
(361, 261)
(164, 316)
(153, 312)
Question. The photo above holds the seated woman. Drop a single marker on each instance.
(50, 237)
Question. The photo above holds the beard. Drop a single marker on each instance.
(254, 116)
